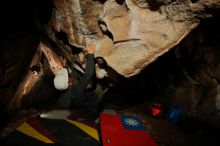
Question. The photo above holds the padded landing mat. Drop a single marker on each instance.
(124, 130)
(39, 132)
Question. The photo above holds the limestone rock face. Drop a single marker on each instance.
(129, 34)
(78, 19)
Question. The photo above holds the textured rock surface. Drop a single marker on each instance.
(78, 19)
(129, 34)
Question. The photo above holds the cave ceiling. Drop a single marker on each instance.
(129, 35)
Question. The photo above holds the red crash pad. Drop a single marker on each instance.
(124, 130)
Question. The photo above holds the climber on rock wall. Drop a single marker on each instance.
(76, 95)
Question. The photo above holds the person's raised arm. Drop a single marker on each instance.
(89, 70)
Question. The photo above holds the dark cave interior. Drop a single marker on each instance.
(187, 76)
